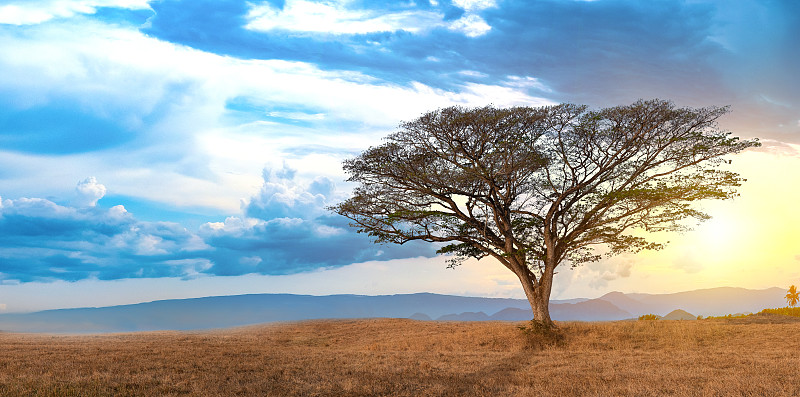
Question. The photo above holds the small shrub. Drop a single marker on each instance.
(649, 317)
(728, 316)
(540, 335)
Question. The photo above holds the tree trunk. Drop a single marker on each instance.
(539, 299)
(541, 310)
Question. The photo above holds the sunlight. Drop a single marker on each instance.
(718, 233)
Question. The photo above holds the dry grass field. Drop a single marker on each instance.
(392, 357)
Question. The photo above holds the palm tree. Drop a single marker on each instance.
(793, 296)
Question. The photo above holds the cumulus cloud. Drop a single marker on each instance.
(601, 273)
(282, 196)
(291, 245)
(471, 25)
(89, 191)
(284, 230)
(42, 240)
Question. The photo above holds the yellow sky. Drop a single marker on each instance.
(752, 241)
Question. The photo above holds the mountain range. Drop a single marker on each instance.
(237, 310)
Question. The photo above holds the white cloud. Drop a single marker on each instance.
(471, 25)
(622, 270)
(498, 95)
(526, 82)
(596, 275)
(35, 12)
(50, 239)
(38, 207)
(89, 192)
(297, 115)
(473, 73)
(250, 260)
(327, 231)
(190, 268)
(150, 245)
(232, 225)
(283, 196)
(184, 152)
(333, 17)
(17, 15)
(474, 5)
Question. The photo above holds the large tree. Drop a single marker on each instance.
(535, 188)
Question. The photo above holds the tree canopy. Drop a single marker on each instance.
(792, 297)
(538, 187)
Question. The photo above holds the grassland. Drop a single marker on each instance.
(756, 357)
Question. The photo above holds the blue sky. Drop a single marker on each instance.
(195, 144)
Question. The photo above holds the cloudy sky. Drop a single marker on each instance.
(156, 149)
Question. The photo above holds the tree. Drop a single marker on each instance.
(538, 187)
(793, 296)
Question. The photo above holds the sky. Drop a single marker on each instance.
(155, 149)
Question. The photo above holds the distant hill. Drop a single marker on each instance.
(704, 302)
(679, 314)
(591, 310)
(626, 303)
(583, 310)
(230, 311)
(466, 316)
(420, 317)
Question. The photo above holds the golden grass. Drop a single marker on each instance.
(394, 357)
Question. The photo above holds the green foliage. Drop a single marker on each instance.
(541, 334)
(477, 178)
(728, 316)
(786, 311)
(649, 317)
